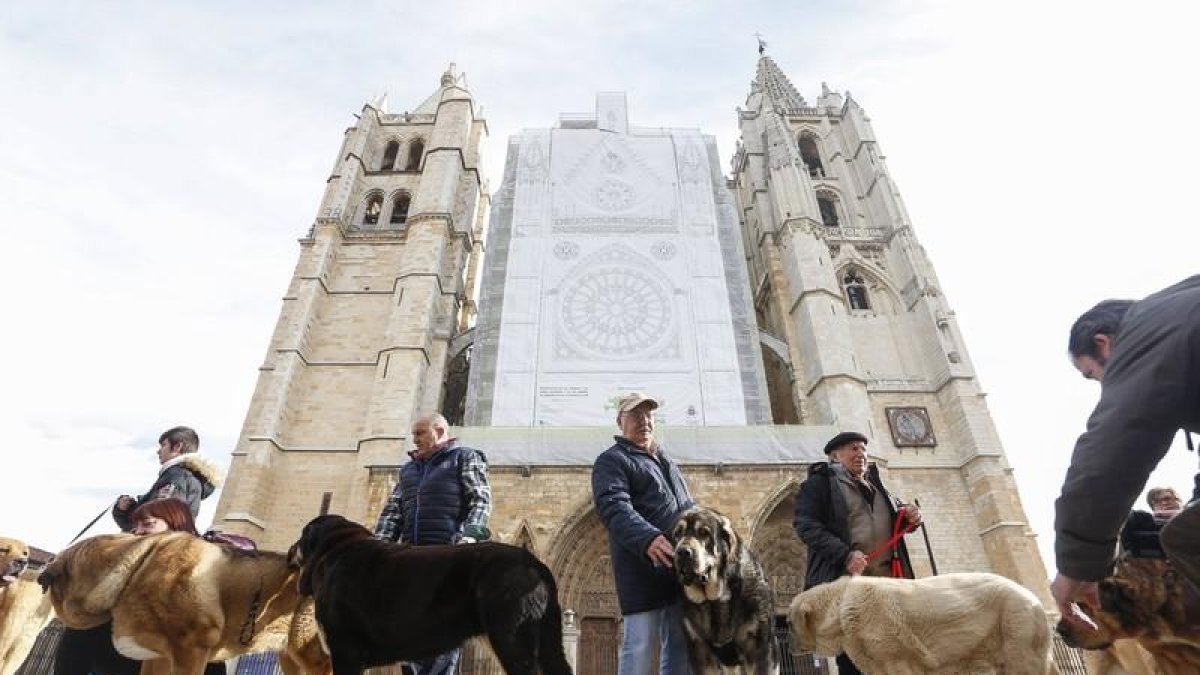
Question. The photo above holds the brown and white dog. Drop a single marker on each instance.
(1146, 600)
(178, 602)
(954, 623)
(24, 610)
(728, 605)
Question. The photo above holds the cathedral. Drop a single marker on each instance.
(767, 302)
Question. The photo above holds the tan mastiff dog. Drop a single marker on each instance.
(955, 623)
(24, 609)
(1145, 600)
(178, 602)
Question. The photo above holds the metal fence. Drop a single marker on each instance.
(792, 661)
(1068, 659)
(41, 658)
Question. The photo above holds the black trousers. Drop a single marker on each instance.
(81, 652)
(846, 666)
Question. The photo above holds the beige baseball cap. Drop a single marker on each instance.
(634, 399)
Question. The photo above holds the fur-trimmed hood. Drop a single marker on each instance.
(209, 473)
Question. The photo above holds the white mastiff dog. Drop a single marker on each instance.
(956, 623)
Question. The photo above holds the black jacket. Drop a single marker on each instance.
(190, 480)
(1151, 389)
(821, 521)
(638, 497)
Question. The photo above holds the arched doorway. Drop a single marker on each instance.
(581, 564)
(785, 560)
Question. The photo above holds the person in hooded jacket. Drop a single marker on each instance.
(183, 475)
(844, 514)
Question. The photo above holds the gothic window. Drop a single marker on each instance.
(415, 150)
(389, 156)
(811, 156)
(371, 212)
(856, 290)
(399, 210)
(829, 211)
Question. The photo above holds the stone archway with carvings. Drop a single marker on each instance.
(581, 564)
(783, 556)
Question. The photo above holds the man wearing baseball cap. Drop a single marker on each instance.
(639, 493)
(844, 514)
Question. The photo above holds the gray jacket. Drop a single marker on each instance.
(1151, 389)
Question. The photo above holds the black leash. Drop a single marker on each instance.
(89, 525)
(928, 548)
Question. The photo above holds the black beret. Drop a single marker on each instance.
(842, 439)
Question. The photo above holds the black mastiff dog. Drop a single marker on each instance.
(728, 605)
(379, 603)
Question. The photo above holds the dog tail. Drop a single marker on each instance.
(552, 658)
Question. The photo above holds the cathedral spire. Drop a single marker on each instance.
(777, 86)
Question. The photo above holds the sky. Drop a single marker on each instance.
(158, 162)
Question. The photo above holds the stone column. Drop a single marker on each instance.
(571, 638)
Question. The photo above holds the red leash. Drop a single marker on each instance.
(899, 529)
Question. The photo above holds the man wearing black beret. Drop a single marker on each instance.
(845, 516)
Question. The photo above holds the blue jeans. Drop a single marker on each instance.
(442, 664)
(646, 632)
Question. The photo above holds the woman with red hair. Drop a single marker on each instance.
(163, 515)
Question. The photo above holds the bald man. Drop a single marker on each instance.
(450, 483)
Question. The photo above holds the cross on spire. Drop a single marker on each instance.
(762, 44)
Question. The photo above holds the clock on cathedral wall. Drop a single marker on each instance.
(910, 427)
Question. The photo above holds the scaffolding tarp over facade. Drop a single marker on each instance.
(579, 446)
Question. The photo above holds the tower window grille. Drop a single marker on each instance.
(415, 151)
(372, 211)
(856, 291)
(389, 156)
(829, 212)
(811, 156)
(399, 209)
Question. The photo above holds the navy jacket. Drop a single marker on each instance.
(638, 497)
(433, 495)
(822, 522)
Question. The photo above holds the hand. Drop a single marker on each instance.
(124, 503)
(1065, 590)
(661, 552)
(856, 562)
(912, 515)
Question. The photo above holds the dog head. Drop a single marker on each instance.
(14, 558)
(706, 547)
(1142, 597)
(815, 616)
(319, 542)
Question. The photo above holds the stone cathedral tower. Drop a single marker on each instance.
(855, 328)
(364, 336)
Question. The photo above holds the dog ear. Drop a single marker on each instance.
(305, 583)
(1117, 601)
(729, 537)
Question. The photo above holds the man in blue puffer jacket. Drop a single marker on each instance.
(639, 493)
(442, 497)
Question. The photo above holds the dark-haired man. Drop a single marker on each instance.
(843, 514)
(183, 475)
(1146, 357)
